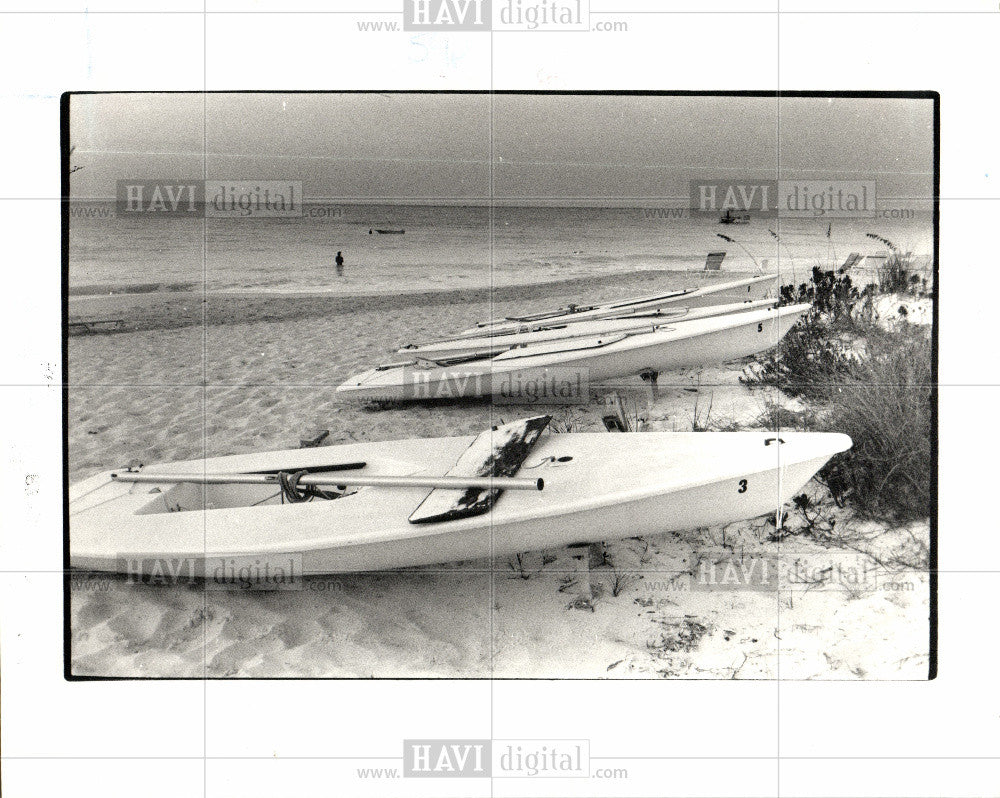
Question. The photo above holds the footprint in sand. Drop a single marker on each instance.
(135, 625)
(295, 633)
(95, 609)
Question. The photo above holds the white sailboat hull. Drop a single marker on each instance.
(491, 342)
(747, 289)
(714, 340)
(611, 486)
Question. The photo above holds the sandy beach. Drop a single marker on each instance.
(241, 383)
(153, 307)
(261, 374)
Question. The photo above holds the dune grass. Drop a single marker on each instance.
(883, 401)
(869, 382)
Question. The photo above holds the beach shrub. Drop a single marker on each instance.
(834, 297)
(884, 403)
(871, 383)
(816, 350)
(776, 416)
(894, 274)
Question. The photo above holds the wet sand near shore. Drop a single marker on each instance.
(165, 310)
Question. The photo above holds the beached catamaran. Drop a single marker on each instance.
(490, 342)
(749, 288)
(647, 351)
(394, 504)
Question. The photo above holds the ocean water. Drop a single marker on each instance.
(448, 247)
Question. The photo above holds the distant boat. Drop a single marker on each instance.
(734, 218)
(390, 232)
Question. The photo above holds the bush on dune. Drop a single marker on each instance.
(884, 403)
(870, 383)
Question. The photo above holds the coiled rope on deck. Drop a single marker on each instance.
(293, 493)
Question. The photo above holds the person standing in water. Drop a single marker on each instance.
(339, 260)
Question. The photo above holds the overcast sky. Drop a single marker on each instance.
(590, 150)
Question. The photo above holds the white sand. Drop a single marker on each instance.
(172, 394)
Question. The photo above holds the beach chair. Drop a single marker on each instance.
(713, 262)
(852, 260)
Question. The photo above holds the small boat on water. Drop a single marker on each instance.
(734, 218)
(389, 232)
(585, 360)
(747, 289)
(491, 343)
(396, 504)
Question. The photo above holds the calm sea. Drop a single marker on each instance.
(448, 247)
